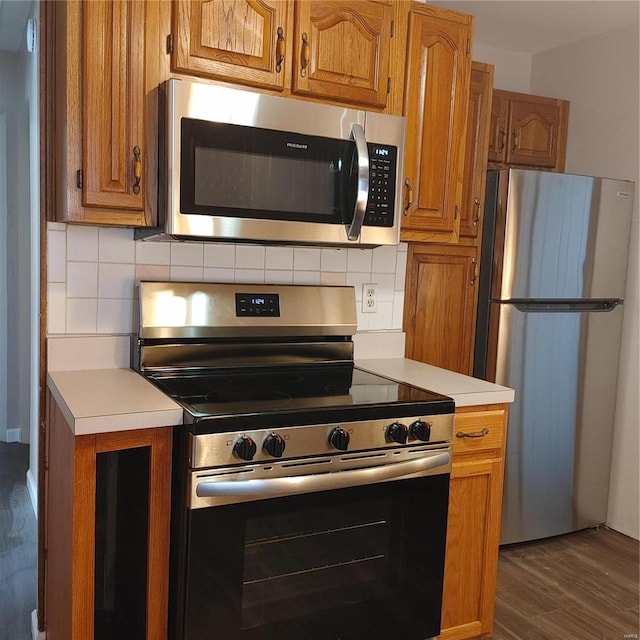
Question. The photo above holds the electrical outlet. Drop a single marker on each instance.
(369, 298)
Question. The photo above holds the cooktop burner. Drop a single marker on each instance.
(226, 400)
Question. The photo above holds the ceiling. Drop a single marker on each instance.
(531, 26)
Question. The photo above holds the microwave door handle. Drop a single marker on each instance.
(357, 133)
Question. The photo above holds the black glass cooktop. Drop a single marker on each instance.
(290, 396)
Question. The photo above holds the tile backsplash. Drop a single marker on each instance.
(92, 272)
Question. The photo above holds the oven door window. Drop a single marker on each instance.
(248, 172)
(350, 564)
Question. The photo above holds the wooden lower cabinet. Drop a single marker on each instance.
(440, 304)
(473, 532)
(107, 512)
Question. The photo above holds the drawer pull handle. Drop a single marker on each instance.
(477, 434)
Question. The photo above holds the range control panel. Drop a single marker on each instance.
(217, 449)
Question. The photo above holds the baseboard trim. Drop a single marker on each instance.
(35, 634)
(14, 434)
(32, 488)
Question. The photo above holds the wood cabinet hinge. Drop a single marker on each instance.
(170, 43)
(393, 28)
(79, 176)
(389, 84)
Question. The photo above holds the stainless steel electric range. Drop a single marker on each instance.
(309, 496)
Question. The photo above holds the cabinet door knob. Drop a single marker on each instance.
(503, 140)
(514, 141)
(280, 49)
(476, 211)
(409, 199)
(476, 270)
(137, 170)
(304, 57)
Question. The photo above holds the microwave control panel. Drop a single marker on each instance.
(382, 185)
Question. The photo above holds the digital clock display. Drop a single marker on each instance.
(258, 305)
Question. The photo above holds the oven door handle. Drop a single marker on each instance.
(322, 481)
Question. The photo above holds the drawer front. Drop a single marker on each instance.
(479, 431)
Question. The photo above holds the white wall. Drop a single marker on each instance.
(16, 271)
(3, 274)
(512, 70)
(600, 77)
(32, 239)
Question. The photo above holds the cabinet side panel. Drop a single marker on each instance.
(59, 521)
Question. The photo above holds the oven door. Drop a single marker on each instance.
(344, 564)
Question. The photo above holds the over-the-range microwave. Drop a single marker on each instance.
(240, 166)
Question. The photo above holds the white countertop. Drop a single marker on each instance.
(103, 400)
(465, 390)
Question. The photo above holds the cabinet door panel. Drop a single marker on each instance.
(342, 50)
(440, 299)
(113, 104)
(237, 40)
(475, 165)
(498, 128)
(469, 504)
(534, 134)
(436, 98)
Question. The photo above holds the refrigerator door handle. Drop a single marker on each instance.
(565, 306)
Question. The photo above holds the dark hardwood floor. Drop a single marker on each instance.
(18, 545)
(581, 586)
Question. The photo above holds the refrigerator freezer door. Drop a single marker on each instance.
(563, 366)
(565, 236)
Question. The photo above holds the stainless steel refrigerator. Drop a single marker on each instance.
(552, 283)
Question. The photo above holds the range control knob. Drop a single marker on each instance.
(274, 445)
(420, 430)
(339, 439)
(397, 432)
(244, 448)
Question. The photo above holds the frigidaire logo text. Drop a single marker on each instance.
(297, 145)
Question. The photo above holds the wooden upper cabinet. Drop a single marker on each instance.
(440, 305)
(436, 102)
(106, 112)
(528, 130)
(113, 104)
(242, 41)
(329, 50)
(475, 165)
(341, 50)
